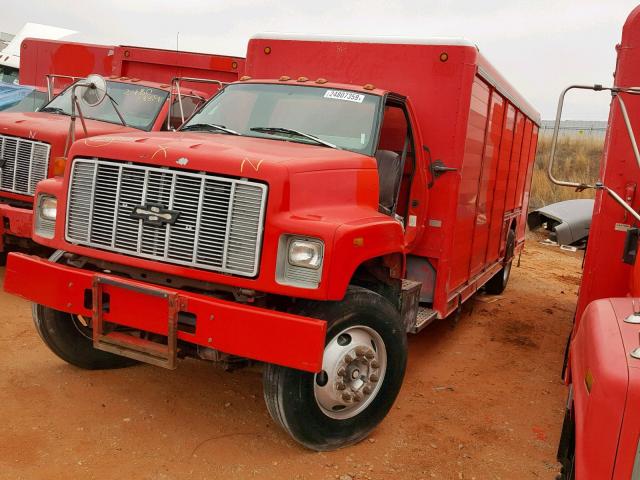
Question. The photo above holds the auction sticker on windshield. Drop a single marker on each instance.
(344, 95)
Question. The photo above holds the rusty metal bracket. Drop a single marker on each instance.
(128, 345)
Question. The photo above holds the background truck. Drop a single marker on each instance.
(344, 192)
(143, 85)
(600, 432)
(51, 64)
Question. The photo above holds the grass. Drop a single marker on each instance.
(577, 159)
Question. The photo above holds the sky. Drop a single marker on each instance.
(540, 46)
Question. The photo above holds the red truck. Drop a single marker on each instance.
(602, 424)
(344, 192)
(143, 85)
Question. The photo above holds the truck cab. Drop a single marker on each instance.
(308, 217)
(601, 427)
(33, 145)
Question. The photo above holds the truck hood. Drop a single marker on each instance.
(52, 128)
(220, 153)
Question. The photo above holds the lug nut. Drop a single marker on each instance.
(341, 386)
(361, 351)
(367, 390)
(357, 398)
(342, 372)
(375, 364)
(346, 397)
(374, 378)
(348, 358)
(370, 355)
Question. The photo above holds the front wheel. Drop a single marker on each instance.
(363, 367)
(70, 338)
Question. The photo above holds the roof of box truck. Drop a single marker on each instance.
(454, 41)
(485, 68)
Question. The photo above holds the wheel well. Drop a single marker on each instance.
(382, 275)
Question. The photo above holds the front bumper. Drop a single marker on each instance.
(15, 221)
(237, 329)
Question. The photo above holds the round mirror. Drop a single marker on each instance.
(93, 91)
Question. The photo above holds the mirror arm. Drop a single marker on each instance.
(115, 107)
(84, 126)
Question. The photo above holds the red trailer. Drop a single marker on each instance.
(602, 423)
(344, 192)
(143, 85)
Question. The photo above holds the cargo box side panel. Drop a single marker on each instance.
(525, 155)
(163, 65)
(500, 192)
(468, 190)
(487, 185)
(514, 162)
(526, 193)
(41, 57)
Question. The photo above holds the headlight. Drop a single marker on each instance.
(299, 261)
(48, 207)
(305, 253)
(45, 217)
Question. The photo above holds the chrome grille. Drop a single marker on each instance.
(219, 226)
(23, 163)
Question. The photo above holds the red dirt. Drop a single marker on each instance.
(482, 399)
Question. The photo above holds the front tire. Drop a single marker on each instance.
(363, 367)
(70, 339)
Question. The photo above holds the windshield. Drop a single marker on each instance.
(318, 116)
(138, 104)
(30, 103)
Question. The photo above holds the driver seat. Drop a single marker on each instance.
(389, 171)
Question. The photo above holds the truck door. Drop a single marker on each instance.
(402, 183)
(395, 157)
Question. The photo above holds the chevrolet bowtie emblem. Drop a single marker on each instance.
(154, 214)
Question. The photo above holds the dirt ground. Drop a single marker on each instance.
(482, 399)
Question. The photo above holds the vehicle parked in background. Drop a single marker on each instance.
(12, 96)
(344, 192)
(567, 222)
(600, 432)
(33, 145)
(11, 54)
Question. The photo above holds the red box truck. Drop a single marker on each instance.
(601, 428)
(142, 97)
(344, 192)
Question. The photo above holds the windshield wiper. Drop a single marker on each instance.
(288, 131)
(56, 110)
(209, 126)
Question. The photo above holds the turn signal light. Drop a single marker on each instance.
(58, 166)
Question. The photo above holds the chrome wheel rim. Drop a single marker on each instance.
(353, 369)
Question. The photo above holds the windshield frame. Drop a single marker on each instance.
(115, 122)
(375, 125)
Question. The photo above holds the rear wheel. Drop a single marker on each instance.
(363, 367)
(499, 281)
(70, 338)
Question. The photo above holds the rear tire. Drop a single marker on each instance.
(363, 367)
(499, 281)
(71, 340)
